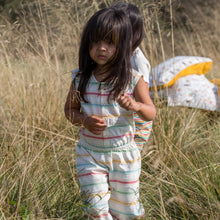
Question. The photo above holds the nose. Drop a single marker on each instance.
(102, 45)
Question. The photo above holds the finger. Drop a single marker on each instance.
(97, 132)
(120, 98)
(100, 128)
(98, 119)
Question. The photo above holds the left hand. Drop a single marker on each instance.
(128, 103)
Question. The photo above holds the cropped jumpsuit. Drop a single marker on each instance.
(109, 165)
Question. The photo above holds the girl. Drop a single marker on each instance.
(102, 98)
(140, 64)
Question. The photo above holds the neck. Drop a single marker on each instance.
(100, 74)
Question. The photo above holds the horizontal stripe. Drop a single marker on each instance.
(93, 82)
(110, 148)
(137, 118)
(113, 149)
(100, 147)
(100, 105)
(97, 205)
(142, 131)
(118, 161)
(104, 94)
(124, 182)
(97, 94)
(140, 144)
(113, 161)
(98, 216)
(124, 213)
(107, 138)
(93, 184)
(111, 171)
(143, 135)
(125, 171)
(124, 193)
(96, 194)
(92, 173)
(124, 203)
(90, 82)
(111, 116)
(89, 165)
(119, 126)
(143, 123)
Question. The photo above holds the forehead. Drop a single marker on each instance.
(104, 28)
(103, 33)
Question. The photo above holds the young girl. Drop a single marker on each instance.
(140, 64)
(103, 96)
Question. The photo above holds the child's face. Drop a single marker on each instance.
(101, 52)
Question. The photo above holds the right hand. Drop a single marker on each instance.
(95, 124)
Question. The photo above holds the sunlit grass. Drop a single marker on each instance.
(180, 176)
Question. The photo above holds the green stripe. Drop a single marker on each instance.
(91, 82)
(107, 152)
(93, 184)
(119, 126)
(124, 193)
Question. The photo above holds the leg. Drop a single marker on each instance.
(93, 179)
(124, 181)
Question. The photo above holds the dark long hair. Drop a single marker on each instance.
(109, 25)
(136, 20)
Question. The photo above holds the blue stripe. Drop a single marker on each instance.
(123, 213)
(104, 147)
(128, 171)
(92, 184)
(106, 105)
(119, 126)
(95, 206)
(143, 123)
(107, 152)
(90, 164)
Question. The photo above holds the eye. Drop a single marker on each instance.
(110, 42)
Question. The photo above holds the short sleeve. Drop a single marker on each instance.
(135, 77)
(140, 63)
(74, 72)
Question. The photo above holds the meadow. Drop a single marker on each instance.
(39, 43)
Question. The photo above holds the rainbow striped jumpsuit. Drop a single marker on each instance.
(109, 165)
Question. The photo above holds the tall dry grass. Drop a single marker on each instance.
(180, 177)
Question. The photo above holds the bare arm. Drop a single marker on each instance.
(72, 108)
(142, 104)
(72, 112)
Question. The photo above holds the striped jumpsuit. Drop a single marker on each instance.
(109, 165)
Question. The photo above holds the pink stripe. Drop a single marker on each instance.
(89, 174)
(146, 122)
(118, 181)
(98, 216)
(103, 138)
(94, 93)
(101, 94)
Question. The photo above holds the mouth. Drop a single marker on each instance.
(102, 57)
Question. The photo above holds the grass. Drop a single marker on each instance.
(181, 166)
